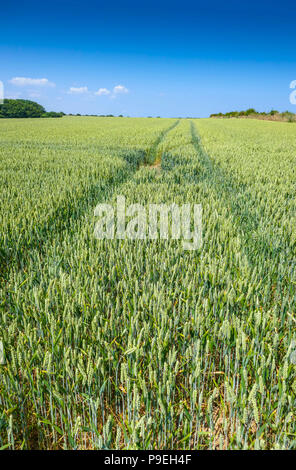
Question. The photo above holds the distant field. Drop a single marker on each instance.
(121, 344)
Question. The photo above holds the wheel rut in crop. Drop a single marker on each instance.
(153, 157)
(72, 209)
(247, 214)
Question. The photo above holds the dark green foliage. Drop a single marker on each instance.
(286, 116)
(232, 114)
(21, 109)
(25, 109)
(251, 111)
(53, 114)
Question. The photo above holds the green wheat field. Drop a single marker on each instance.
(139, 344)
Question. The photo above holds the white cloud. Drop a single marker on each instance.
(102, 91)
(78, 91)
(25, 81)
(120, 89)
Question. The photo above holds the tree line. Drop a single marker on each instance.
(251, 112)
(25, 109)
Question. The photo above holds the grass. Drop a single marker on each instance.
(122, 344)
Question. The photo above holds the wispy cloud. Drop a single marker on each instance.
(34, 95)
(78, 91)
(26, 81)
(102, 91)
(120, 89)
(13, 96)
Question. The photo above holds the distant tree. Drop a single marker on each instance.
(250, 111)
(232, 114)
(21, 109)
(52, 114)
(286, 116)
(25, 109)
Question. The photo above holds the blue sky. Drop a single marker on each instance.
(177, 58)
